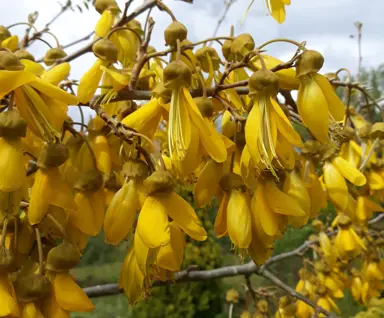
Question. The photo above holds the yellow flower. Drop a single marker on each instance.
(8, 302)
(316, 96)
(277, 9)
(347, 242)
(265, 120)
(335, 173)
(186, 125)
(121, 213)
(69, 295)
(366, 207)
(161, 202)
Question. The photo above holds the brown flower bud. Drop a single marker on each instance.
(4, 33)
(7, 259)
(231, 181)
(226, 50)
(91, 181)
(23, 54)
(344, 221)
(241, 45)
(12, 125)
(62, 257)
(102, 5)
(177, 74)
(348, 133)
(10, 62)
(205, 53)
(175, 31)
(32, 287)
(135, 168)
(52, 155)
(53, 55)
(309, 61)
(263, 82)
(318, 225)
(159, 181)
(377, 131)
(205, 106)
(364, 131)
(105, 50)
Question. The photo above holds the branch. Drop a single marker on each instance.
(277, 282)
(228, 4)
(88, 48)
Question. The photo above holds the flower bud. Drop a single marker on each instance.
(135, 25)
(284, 301)
(377, 131)
(177, 74)
(53, 55)
(135, 168)
(105, 50)
(263, 82)
(102, 5)
(175, 31)
(52, 155)
(205, 53)
(231, 181)
(10, 62)
(232, 296)
(348, 133)
(23, 54)
(4, 33)
(309, 61)
(241, 45)
(159, 181)
(226, 50)
(318, 225)
(12, 125)
(364, 131)
(344, 221)
(32, 287)
(160, 91)
(7, 259)
(205, 106)
(91, 181)
(62, 257)
(262, 306)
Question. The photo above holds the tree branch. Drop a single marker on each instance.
(124, 20)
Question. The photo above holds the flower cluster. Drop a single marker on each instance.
(239, 146)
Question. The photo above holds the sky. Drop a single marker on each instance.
(326, 26)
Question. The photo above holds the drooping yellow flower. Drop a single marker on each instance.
(125, 203)
(109, 10)
(161, 202)
(347, 242)
(265, 120)
(316, 96)
(49, 187)
(186, 125)
(8, 302)
(277, 9)
(335, 173)
(107, 53)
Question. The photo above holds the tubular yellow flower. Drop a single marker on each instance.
(316, 96)
(239, 219)
(69, 295)
(153, 225)
(8, 302)
(265, 120)
(121, 213)
(277, 9)
(49, 189)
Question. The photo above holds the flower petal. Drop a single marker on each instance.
(348, 171)
(208, 183)
(10, 80)
(183, 214)
(153, 225)
(310, 101)
(69, 295)
(336, 186)
(239, 219)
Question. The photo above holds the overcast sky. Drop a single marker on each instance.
(326, 25)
